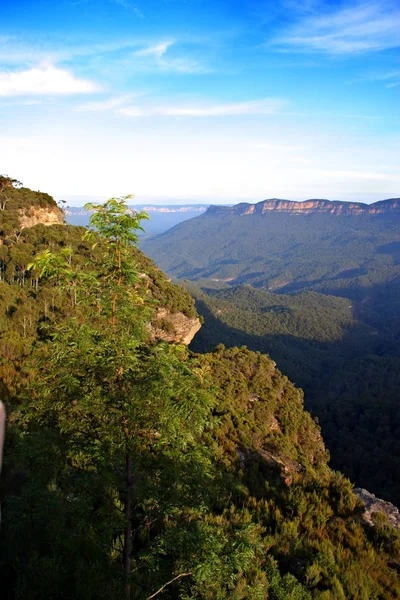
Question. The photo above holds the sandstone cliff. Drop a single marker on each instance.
(309, 207)
(34, 215)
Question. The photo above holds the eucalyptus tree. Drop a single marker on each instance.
(6, 182)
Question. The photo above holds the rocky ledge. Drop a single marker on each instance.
(376, 505)
(174, 327)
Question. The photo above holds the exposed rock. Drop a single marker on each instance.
(287, 465)
(309, 207)
(175, 327)
(376, 505)
(35, 215)
(274, 425)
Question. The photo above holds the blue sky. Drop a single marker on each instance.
(198, 99)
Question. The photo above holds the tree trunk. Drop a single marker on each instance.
(128, 528)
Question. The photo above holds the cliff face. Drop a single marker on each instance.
(175, 327)
(28, 217)
(309, 207)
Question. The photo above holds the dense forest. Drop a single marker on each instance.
(342, 255)
(320, 294)
(348, 369)
(138, 469)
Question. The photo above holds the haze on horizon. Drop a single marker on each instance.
(201, 101)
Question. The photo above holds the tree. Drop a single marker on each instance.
(5, 183)
(113, 402)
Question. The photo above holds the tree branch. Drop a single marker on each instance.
(168, 583)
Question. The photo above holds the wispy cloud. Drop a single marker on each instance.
(129, 54)
(158, 50)
(363, 27)
(159, 58)
(283, 147)
(390, 79)
(351, 174)
(265, 106)
(129, 7)
(43, 81)
(109, 104)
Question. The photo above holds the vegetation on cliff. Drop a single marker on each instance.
(25, 306)
(321, 294)
(136, 469)
(348, 369)
(17, 201)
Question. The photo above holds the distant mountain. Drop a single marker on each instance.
(162, 217)
(332, 247)
(309, 207)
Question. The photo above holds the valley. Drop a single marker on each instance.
(320, 294)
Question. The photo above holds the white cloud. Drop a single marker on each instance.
(157, 50)
(133, 111)
(363, 175)
(285, 148)
(153, 58)
(105, 105)
(265, 106)
(43, 81)
(131, 54)
(370, 26)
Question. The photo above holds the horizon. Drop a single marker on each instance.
(194, 202)
(213, 100)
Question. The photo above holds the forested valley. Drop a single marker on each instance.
(139, 469)
(319, 293)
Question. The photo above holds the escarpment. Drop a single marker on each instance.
(22, 208)
(308, 207)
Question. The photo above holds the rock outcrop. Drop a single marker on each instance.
(175, 327)
(34, 215)
(308, 207)
(376, 505)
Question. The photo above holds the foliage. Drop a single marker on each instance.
(196, 476)
(339, 255)
(114, 410)
(15, 201)
(324, 303)
(317, 342)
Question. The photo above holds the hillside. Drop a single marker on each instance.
(286, 251)
(348, 369)
(21, 207)
(316, 285)
(231, 496)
